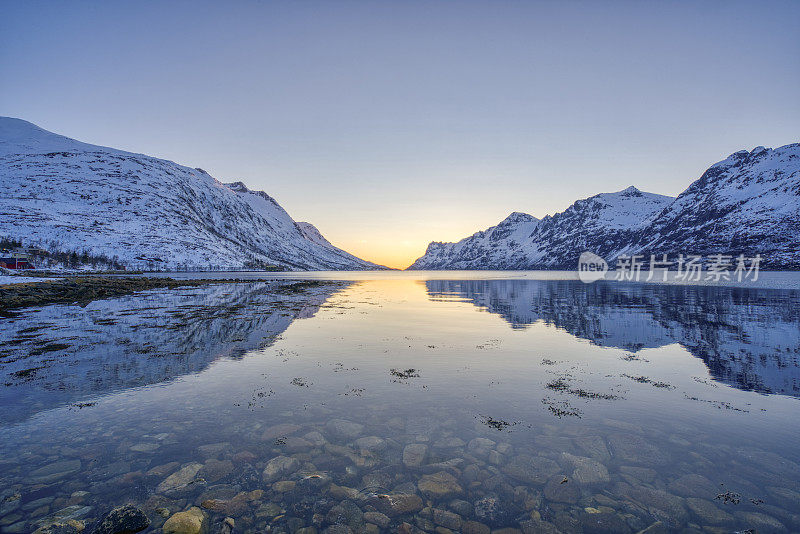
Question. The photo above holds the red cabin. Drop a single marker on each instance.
(15, 262)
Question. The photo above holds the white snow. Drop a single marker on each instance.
(149, 213)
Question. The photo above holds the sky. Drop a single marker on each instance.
(392, 124)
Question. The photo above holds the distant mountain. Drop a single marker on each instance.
(149, 213)
(604, 223)
(746, 204)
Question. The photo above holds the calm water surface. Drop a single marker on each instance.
(410, 402)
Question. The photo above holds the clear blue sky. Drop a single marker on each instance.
(390, 124)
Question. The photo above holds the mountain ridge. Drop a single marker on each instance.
(748, 203)
(146, 212)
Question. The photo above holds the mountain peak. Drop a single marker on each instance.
(517, 217)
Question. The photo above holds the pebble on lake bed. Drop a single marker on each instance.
(192, 521)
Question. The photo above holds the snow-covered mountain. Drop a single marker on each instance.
(746, 204)
(59, 193)
(604, 223)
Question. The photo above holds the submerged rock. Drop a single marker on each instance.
(633, 448)
(279, 431)
(397, 503)
(192, 521)
(123, 520)
(762, 523)
(214, 470)
(594, 446)
(531, 469)
(55, 471)
(474, 527)
(664, 506)
(414, 454)
(480, 446)
(693, 485)
(586, 470)
(604, 523)
(72, 527)
(490, 510)
(179, 480)
(344, 430)
(279, 467)
(446, 519)
(708, 512)
(377, 518)
(370, 444)
(439, 485)
(561, 489)
(537, 526)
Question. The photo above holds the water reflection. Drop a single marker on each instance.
(59, 355)
(399, 407)
(748, 338)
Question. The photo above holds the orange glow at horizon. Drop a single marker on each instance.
(397, 255)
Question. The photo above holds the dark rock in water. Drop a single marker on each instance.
(693, 485)
(633, 448)
(439, 485)
(474, 527)
(280, 466)
(761, 522)
(344, 430)
(668, 508)
(397, 504)
(491, 511)
(561, 489)
(537, 526)
(447, 519)
(248, 477)
(604, 523)
(345, 513)
(278, 431)
(462, 508)
(531, 469)
(424, 426)
(58, 528)
(215, 470)
(656, 528)
(709, 512)
(123, 520)
(379, 481)
(414, 454)
(55, 471)
(377, 518)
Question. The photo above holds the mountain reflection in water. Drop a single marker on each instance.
(59, 354)
(748, 338)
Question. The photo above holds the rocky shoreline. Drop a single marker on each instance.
(83, 290)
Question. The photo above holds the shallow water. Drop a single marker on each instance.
(498, 401)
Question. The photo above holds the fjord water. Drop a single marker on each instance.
(468, 402)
